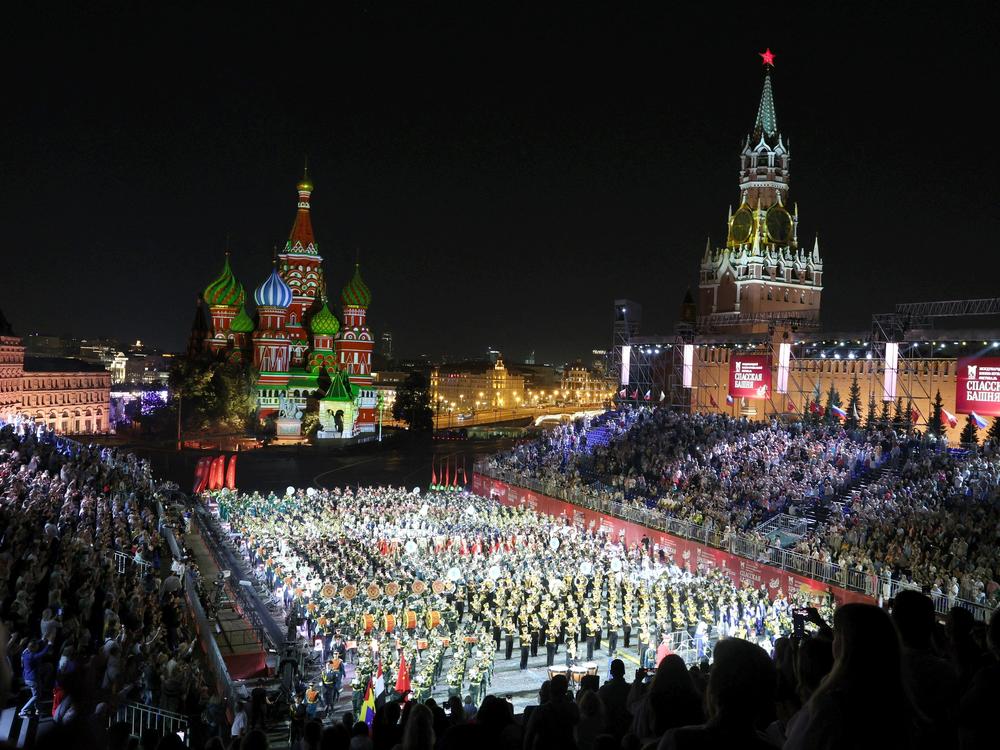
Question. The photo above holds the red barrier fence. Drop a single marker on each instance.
(685, 553)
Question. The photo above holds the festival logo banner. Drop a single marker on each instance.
(977, 388)
(750, 376)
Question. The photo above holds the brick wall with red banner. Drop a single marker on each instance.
(682, 551)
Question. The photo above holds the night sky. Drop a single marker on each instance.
(504, 172)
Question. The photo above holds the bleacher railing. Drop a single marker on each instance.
(140, 717)
(741, 545)
(125, 563)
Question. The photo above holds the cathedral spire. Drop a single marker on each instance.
(301, 238)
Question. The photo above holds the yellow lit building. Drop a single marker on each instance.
(476, 386)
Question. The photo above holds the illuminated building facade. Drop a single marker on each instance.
(476, 386)
(67, 395)
(297, 346)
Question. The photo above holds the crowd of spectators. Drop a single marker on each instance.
(92, 617)
(929, 520)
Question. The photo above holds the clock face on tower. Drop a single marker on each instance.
(741, 226)
(779, 225)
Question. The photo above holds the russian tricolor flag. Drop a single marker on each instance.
(948, 417)
(980, 422)
(729, 399)
(838, 412)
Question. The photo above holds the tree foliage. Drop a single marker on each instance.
(413, 404)
(832, 399)
(872, 419)
(216, 396)
(994, 434)
(934, 426)
(853, 405)
(970, 433)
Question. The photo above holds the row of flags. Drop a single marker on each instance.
(376, 686)
(215, 474)
(445, 474)
(648, 396)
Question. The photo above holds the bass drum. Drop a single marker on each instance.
(410, 619)
(390, 623)
(367, 623)
(433, 618)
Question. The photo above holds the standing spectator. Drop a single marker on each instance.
(31, 659)
(863, 702)
(669, 701)
(552, 724)
(614, 696)
(740, 700)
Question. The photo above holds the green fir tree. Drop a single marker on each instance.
(970, 433)
(853, 406)
(883, 417)
(934, 426)
(994, 434)
(832, 399)
(872, 419)
(908, 416)
(897, 415)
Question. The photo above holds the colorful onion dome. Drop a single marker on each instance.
(324, 322)
(242, 323)
(274, 292)
(356, 293)
(226, 290)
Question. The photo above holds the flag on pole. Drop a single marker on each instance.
(854, 412)
(838, 412)
(434, 476)
(379, 681)
(662, 395)
(367, 714)
(915, 415)
(635, 395)
(403, 679)
(980, 422)
(446, 464)
(948, 417)
(622, 393)
(711, 400)
(646, 397)
(729, 399)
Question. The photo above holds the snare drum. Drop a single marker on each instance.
(390, 623)
(410, 618)
(433, 619)
(367, 623)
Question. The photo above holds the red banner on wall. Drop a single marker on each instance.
(750, 376)
(977, 387)
(685, 553)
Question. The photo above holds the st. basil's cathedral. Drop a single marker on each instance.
(298, 347)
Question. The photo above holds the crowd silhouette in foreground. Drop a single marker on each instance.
(871, 679)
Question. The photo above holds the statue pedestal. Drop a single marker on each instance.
(288, 428)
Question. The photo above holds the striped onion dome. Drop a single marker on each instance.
(226, 290)
(356, 293)
(324, 322)
(242, 322)
(274, 292)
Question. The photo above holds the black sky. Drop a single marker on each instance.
(505, 169)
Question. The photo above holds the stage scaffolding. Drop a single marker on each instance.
(894, 340)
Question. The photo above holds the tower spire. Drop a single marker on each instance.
(767, 121)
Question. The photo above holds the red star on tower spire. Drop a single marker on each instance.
(768, 57)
